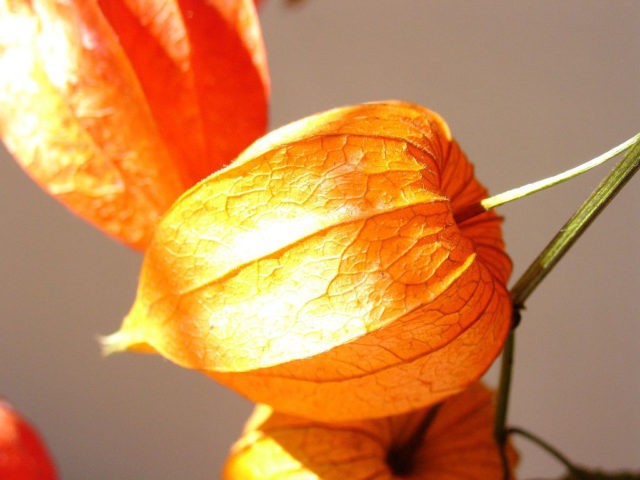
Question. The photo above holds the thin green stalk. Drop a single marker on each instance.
(576, 225)
(525, 190)
(534, 187)
(544, 263)
(574, 472)
(554, 452)
(502, 403)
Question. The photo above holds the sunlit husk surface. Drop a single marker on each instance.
(116, 107)
(455, 442)
(323, 272)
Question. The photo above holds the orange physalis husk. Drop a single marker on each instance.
(23, 456)
(117, 107)
(324, 273)
(449, 442)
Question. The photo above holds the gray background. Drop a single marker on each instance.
(528, 88)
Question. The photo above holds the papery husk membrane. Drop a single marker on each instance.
(323, 272)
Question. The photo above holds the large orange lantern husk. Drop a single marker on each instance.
(116, 107)
(23, 455)
(324, 273)
(448, 442)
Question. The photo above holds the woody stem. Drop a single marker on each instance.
(545, 262)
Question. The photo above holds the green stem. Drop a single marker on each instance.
(576, 225)
(545, 262)
(502, 403)
(520, 192)
(578, 472)
(534, 187)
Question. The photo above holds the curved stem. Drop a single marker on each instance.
(519, 192)
(545, 262)
(531, 188)
(576, 225)
(548, 448)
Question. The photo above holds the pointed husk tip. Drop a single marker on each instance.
(115, 343)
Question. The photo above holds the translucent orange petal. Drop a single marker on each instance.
(203, 70)
(458, 443)
(73, 115)
(323, 272)
(117, 122)
(23, 456)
